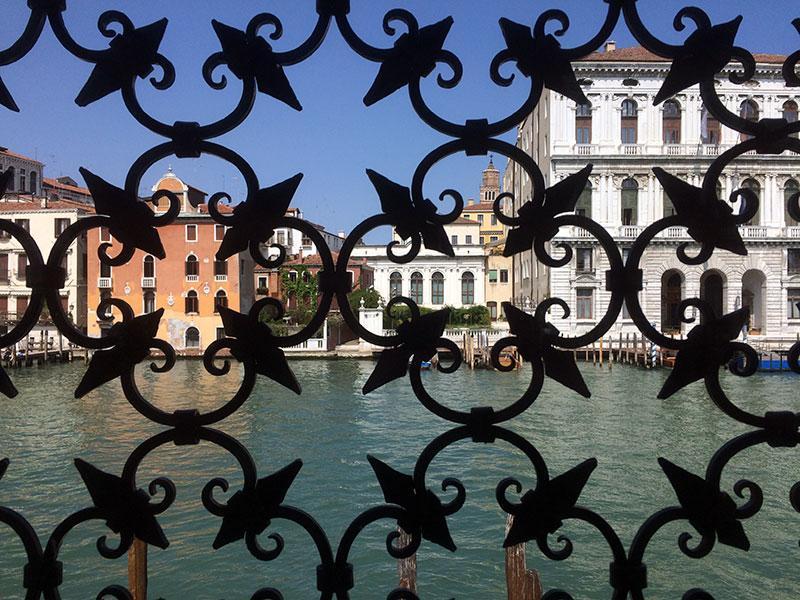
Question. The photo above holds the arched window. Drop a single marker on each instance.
(583, 207)
(752, 184)
(192, 304)
(416, 287)
(192, 268)
(672, 122)
(437, 288)
(583, 124)
(34, 180)
(220, 269)
(192, 337)
(630, 121)
(671, 296)
(220, 299)
(395, 285)
(467, 288)
(149, 267)
(710, 131)
(749, 112)
(790, 189)
(10, 186)
(790, 113)
(149, 301)
(630, 202)
(105, 269)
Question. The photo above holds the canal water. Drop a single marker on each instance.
(333, 427)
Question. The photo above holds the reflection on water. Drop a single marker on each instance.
(332, 427)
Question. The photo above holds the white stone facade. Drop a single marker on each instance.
(296, 242)
(763, 280)
(27, 179)
(469, 259)
(43, 220)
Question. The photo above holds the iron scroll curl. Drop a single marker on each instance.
(417, 51)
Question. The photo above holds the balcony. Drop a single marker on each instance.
(631, 149)
(580, 232)
(675, 233)
(193, 278)
(148, 283)
(221, 277)
(104, 283)
(757, 232)
(709, 149)
(584, 149)
(793, 232)
(674, 150)
(630, 231)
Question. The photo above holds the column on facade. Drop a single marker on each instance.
(689, 108)
(650, 213)
(565, 129)
(692, 284)
(728, 135)
(652, 115)
(776, 201)
(766, 201)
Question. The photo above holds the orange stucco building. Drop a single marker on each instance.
(189, 283)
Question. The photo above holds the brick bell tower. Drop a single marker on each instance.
(490, 183)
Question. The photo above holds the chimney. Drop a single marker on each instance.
(611, 45)
(341, 234)
(470, 202)
(44, 201)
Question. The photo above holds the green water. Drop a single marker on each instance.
(332, 427)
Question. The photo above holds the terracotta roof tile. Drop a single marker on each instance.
(315, 260)
(480, 206)
(639, 54)
(55, 183)
(13, 154)
(36, 205)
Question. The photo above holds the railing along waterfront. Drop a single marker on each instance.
(701, 505)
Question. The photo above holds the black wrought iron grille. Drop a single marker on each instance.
(132, 512)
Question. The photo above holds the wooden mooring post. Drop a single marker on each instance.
(522, 583)
(137, 570)
(406, 567)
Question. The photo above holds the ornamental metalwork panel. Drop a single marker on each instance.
(131, 509)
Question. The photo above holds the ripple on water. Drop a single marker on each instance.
(332, 427)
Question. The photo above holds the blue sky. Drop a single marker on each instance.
(335, 138)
